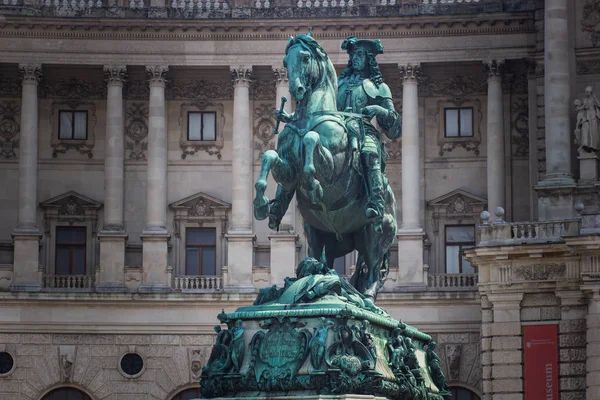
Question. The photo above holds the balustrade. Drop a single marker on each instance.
(214, 283)
(206, 4)
(456, 282)
(69, 282)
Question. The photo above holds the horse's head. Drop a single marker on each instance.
(308, 66)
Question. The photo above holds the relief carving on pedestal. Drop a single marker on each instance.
(10, 113)
(136, 132)
(263, 128)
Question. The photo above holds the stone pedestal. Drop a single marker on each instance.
(240, 249)
(26, 273)
(410, 261)
(154, 261)
(555, 202)
(588, 168)
(112, 262)
(283, 257)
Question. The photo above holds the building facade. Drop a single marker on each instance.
(130, 138)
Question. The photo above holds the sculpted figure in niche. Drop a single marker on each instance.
(587, 129)
(453, 353)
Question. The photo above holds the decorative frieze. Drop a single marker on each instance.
(540, 272)
(157, 74)
(241, 75)
(136, 132)
(115, 74)
(192, 89)
(9, 87)
(72, 89)
(136, 90)
(263, 128)
(588, 67)
(10, 113)
(262, 90)
(453, 86)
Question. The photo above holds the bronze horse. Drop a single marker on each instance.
(313, 159)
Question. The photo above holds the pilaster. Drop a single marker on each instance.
(26, 235)
(410, 235)
(593, 344)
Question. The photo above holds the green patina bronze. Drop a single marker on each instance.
(320, 334)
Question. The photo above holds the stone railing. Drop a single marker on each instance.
(449, 1)
(200, 4)
(324, 3)
(500, 232)
(69, 282)
(454, 282)
(193, 283)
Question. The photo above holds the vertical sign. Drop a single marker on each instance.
(541, 361)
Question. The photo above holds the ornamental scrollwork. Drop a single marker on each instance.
(136, 132)
(263, 128)
(540, 272)
(453, 86)
(519, 124)
(262, 90)
(69, 89)
(192, 89)
(591, 20)
(9, 129)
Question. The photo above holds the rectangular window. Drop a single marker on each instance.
(200, 251)
(72, 125)
(70, 250)
(457, 237)
(458, 122)
(202, 126)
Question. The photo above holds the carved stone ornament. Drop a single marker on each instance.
(456, 207)
(588, 67)
(115, 74)
(281, 76)
(241, 75)
(72, 90)
(30, 73)
(453, 356)
(193, 89)
(519, 126)
(10, 87)
(136, 90)
(82, 146)
(66, 361)
(263, 128)
(591, 20)
(453, 86)
(212, 147)
(540, 272)
(10, 113)
(198, 210)
(136, 132)
(198, 358)
(494, 67)
(470, 143)
(262, 90)
(410, 72)
(157, 74)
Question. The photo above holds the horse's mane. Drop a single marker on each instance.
(325, 69)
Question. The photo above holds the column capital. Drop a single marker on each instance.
(241, 75)
(532, 67)
(157, 74)
(30, 73)
(115, 74)
(281, 76)
(410, 73)
(494, 67)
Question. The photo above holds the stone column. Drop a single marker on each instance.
(410, 234)
(496, 174)
(593, 346)
(533, 127)
(557, 89)
(283, 242)
(506, 348)
(112, 237)
(240, 237)
(26, 236)
(155, 235)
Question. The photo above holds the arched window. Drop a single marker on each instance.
(188, 394)
(461, 393)
(66, 393)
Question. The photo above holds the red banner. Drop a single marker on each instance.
(540, 344)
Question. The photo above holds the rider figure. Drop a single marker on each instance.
(361, 90)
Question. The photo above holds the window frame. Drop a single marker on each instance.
(460, 135)
(73, 112)
(202, 113)
(459, 244)
(83, 246)
(201, 247)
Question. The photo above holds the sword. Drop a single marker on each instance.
(277, 119)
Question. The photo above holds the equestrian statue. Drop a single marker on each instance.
(330, 155)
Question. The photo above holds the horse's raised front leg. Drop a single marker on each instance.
(312, 147)
(282, 173)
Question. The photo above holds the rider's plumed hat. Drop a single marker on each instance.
(372, 46)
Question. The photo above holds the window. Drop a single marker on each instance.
(7, 363)
(202, 126)
(457, 237)
(66, 393)
(339, 265)
(72, 125)
(458, 122)
(132, 364)
(70, 250)
(459, 393)
(200, 251)
(188, 394)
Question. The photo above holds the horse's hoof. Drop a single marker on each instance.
(261, 207)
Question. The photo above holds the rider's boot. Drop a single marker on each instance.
(374, 209)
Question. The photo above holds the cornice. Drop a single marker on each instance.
(255, 29)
